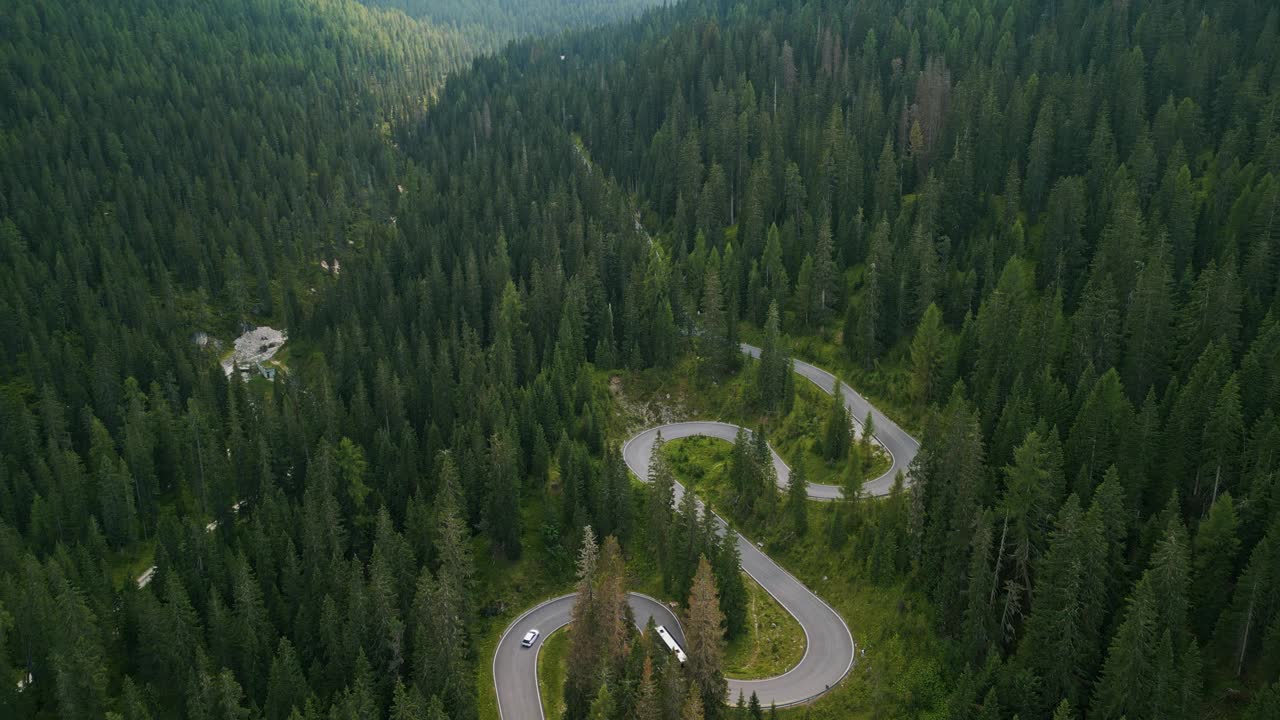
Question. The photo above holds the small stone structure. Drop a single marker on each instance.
(253, 349)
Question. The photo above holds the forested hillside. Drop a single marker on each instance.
(1060, 225)
(491, 23)
(1046, 231)
(166, 168)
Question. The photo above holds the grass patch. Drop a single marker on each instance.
(694, 459)
(552, 661)
(773, 643)
(126, 565)
(795, 438)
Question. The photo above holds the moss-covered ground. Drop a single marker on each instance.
(773, 643)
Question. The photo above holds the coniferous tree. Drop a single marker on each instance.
(947, 477)
(743, 473)
(648, 702)
(836, 429)
(1254, 605)
(797, 501)
(286, 687)
(868, 434)
(1214, 555)
(928, 355)
(671, 690)
(886, 186)
(1093, 443)
(804, 299)
(456, 568)
(660, 500)
(852, 478)
(706, 644)
(764, 474)
(1033, 489)
(776, 280)
(1063, 639)
(693, 708)
(730, 586)
(1147, 324)
(716, 348)
(823, 278)
(774, 380)
(440, 660)
(502, 510)
(1143, 671)
(1223, 438)
(865, 328)
(407, 703)
(603, 707)
(582, 675)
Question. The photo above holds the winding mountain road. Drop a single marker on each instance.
(829, 646)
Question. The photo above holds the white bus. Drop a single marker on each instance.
(671, 643)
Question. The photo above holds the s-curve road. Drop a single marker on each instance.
(829, 646)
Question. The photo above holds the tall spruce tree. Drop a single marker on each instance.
(774, 380)
(1062, 642)
(660, 500)
(1214, 555)
(798, 501)
(730, 586)
(714, 341)
(928, 357)
(582, 676)
(705, 638)
(836, 428)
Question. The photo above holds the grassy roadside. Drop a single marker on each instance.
(551, 672)
(773, 643)
(900, 674)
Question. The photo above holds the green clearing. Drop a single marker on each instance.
(551, 672)
(774, 641)
(128, 563)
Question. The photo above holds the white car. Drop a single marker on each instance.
(530, 638)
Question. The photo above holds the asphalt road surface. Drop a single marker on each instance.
(829, 646)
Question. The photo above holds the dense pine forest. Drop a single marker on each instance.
(491, 23)
(1042, 234)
